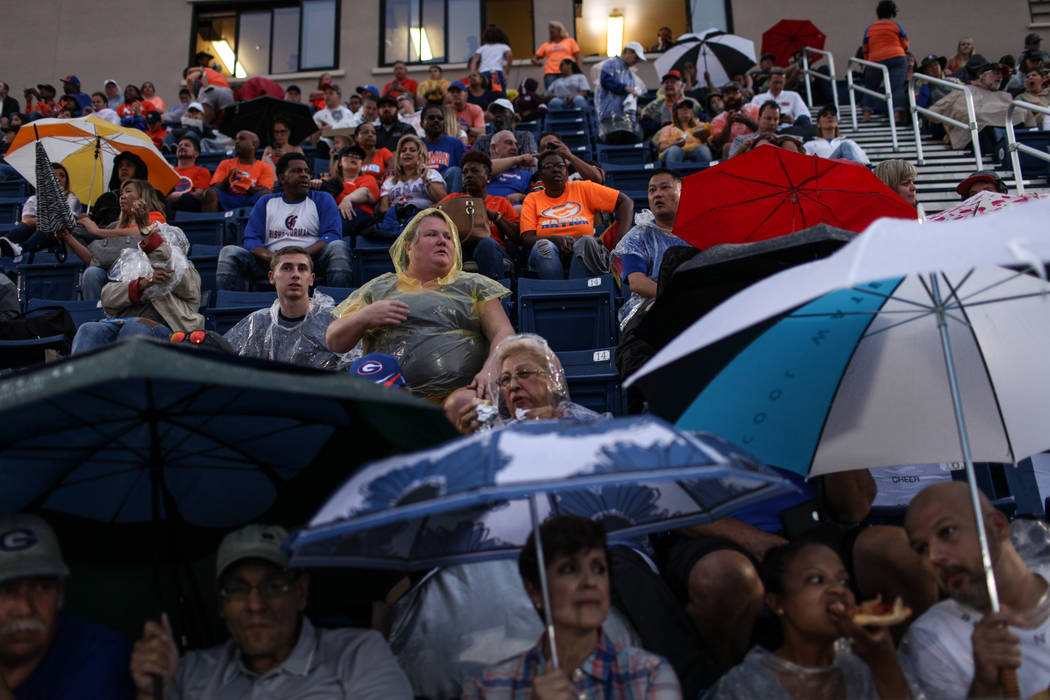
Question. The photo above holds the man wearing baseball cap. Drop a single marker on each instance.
(45, 653)
(71, 86)
(658, 112)
(470, 116)
(501, 116)
(981, 181)
(390, 129)
(274, 651)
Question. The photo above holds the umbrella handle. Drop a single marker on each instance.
(542, 570)
(1008, 682)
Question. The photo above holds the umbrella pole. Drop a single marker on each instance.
(542, 568)
(1007, 677)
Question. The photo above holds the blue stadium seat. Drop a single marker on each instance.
(575, 314)
(1030, 165)
(204, 228)
(338, 294)
(45, 277)
(634, 154)
(320, 167)
(15, 354)
(14, 189)
(686, 168)
(535, 127)
(11, 209)
(231, 307)
(212, 160)
(630, 177)
(206, 259)
(593, 379)
(81, 311)
(508, 302)
(371, 259)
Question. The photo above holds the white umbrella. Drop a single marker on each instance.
(907, 345)
(714, 52)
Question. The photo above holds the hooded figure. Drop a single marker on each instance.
(442, 344)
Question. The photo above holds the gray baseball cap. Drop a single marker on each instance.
(251, 542)
(28, 547)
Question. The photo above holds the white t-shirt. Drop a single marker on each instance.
(412, 191)
(938, 651)
(29, 207)
(339, 118)
(491, 57)
(790, 102)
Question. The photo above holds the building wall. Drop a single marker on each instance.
(135, 41)
(932, 27)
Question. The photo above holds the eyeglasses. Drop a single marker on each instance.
(280, 131)
(521, 375)
(195, 337)
(274, 587)
(434, 116)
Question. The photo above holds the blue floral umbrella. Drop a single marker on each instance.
(469, 500)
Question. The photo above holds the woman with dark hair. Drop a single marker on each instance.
(479, 90)
(149, 94)
(126, 166)
(576, 564)
(492, 57)
(378, 161)
(24, 238)
(885, 42)
(132, 105)
(279, 135)
(570, 90)
(808, 588)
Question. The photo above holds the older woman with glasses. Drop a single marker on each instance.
(528, 384)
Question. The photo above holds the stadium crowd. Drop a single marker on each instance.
(460, 183)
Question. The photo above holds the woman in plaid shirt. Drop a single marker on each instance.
(590, 665)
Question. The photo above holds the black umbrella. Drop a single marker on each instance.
(258, 116)
(719, 54)
(52, 210)
(688, 290)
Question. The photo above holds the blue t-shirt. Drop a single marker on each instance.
(513, 181)
(445, 153)
(86, 661)
(275, 222)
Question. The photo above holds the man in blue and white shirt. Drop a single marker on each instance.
(298, 216)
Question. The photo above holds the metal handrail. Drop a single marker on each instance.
(915, 110)
(887, 95)
(806, 50)
(1014, 147)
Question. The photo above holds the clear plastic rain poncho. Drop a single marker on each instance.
(616, 112)
(647, 241)
(134, 263)
(557, 387)
(765, 675)
(441, 345)
(264, 334)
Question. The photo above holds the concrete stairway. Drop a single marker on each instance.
(945, 167)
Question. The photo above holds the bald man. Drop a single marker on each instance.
(957, 647)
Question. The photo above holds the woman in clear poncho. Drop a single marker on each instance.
(807, 587)
(438, 321)
(526, 382)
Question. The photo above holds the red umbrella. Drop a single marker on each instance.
(768, 192)
(787, 36)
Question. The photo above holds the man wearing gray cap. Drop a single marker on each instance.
(274, 651)
(45, 653)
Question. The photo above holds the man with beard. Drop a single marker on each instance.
(274, 651)
(390, 129)
(194, 179)
(444, 151)
(502, 113)
(737, 119)
(45, 653)
(957, 647)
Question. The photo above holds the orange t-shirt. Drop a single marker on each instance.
(199, 177)
(556, 52)
(571, 214)
(377, 168)
(358, 182)
(231, 170)
(495, 203)
(216, 78)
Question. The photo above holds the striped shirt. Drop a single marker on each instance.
(609, 672)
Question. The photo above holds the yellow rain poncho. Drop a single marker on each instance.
(441, 345)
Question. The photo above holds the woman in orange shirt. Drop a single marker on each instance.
(552, 53)
(885, 42)
(377, 162)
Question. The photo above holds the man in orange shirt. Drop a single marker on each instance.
(488, 253)
(401, 83)
(239, 181)
(557, 222)
(194, 180)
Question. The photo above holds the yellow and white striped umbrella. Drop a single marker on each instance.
(86, 148)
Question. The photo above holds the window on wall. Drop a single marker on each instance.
(430, 31)
(266, 40)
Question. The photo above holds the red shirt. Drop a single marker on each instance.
(377, 168)
(198, 177)
(242, 178)
(366, 181)
(498, 204)
(407, 85)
